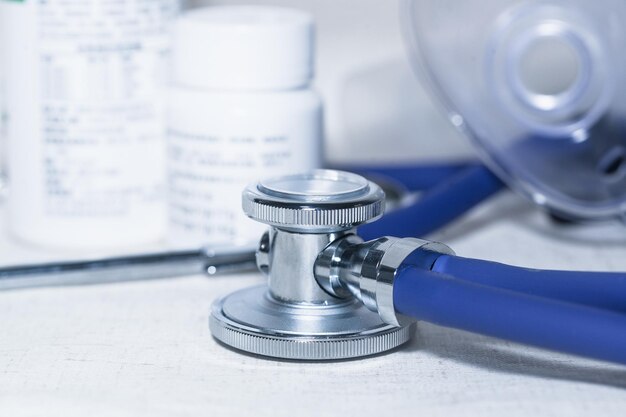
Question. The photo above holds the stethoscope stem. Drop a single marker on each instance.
(128, 268)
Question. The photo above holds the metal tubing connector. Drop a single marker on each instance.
(367, 270)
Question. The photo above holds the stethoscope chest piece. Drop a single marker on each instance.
(294, 317)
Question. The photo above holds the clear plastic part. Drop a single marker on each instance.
(539, 86)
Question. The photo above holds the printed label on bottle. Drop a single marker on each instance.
(208, 173)
(89, 123)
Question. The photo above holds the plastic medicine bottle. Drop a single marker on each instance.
(241, 109)
(85, 83)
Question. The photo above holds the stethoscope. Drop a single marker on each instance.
(336, 292)
(340, 287)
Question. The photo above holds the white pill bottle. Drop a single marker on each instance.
(85, 87)
(241, 109)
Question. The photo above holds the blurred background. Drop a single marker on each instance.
(370, 92)
(375, 111)
(370, 95)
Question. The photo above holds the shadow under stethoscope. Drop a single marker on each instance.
(504, 357)
(466, 349)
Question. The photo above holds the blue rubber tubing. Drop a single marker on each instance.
(415, 177)
(437, 207)
(518, 317)
(597, 289)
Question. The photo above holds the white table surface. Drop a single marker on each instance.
(144, 348)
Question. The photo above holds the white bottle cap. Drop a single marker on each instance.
(243, 48)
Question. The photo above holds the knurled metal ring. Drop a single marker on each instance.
(267, 332)
(319, 201)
